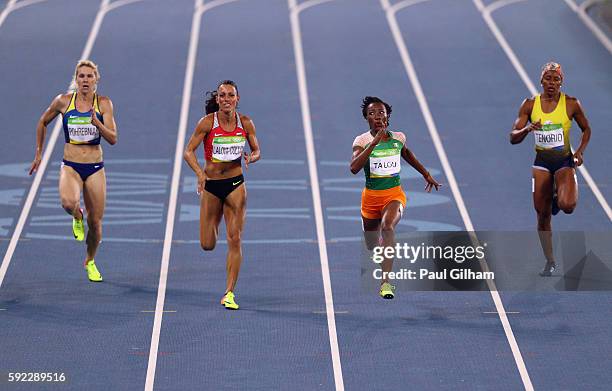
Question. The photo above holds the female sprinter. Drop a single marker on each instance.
(87, 117)
(378, 152)
(221, 187)
(550, 116)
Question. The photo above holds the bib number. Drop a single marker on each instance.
(549, 137)
(81, 131)
(227, 149)
(385, 164)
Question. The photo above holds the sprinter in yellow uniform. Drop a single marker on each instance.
(554, 186)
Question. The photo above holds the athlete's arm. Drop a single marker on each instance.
(520, 129)
(108, 129)
(408, 156)
(361, 155)
(57, 106)
(255, 154)
(583, 122)
(201, 130)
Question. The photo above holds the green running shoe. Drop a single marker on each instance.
(78, 229)
(92, 271)
(386, 291)
(228, 301)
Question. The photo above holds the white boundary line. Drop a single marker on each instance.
(199, 10)
(416, 86)
(95, 29)
(588, 21)
(486, 14)
(13, 5)
(7, 10)
(314, 182)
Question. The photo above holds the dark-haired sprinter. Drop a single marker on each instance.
(378, 152)
(224, 133)
(550, 116)
(87, 118)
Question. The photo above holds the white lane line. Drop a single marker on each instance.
(314, 182)
(582, 13)
(486, 14)
(153, 311)
(25, 211)
(194, 38)
(13, 5)
(7, 10)
(448, 171)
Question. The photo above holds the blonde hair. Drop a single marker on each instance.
(85, 63)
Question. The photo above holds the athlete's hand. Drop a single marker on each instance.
(534, 126)
(35, 165)
(378, 136)
(431, 183)
(578, 159)
(247, 160)
(201, 183)
(94, 119)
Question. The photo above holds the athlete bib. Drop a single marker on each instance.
(551, 136)
(385, 162)
(227, 148)
(80, 130)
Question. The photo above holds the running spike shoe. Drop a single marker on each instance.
(92, 271)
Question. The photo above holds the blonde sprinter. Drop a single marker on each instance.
(86, 118)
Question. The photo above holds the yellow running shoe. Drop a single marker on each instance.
(228, 301)
(386, 291)
(92, 271)
(78, 229)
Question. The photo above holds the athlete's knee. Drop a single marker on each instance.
(387, 225)
(69, 204)
(567, 206)
(207, 245)
(234, 239)
(544, 217)
(94, 225)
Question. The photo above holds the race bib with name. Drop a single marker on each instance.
(81, 131)
(385, 162)
(227, 149)
(549, 137)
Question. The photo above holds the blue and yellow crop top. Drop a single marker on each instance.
(78, 128)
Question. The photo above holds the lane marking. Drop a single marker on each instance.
(25, 211)
(153, 311)
(298, 51)
(581, 11)
(448, 171)
(495, 312)
(13, 5)
(199, 10)
(486, 14)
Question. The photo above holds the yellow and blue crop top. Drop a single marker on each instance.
(78, 128)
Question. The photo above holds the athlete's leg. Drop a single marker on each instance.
(234, 211)
(94, 195)
(211, 210)
(70, 185)
(567, 191)
(542, 201)
(371, 232)
(391, 215)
